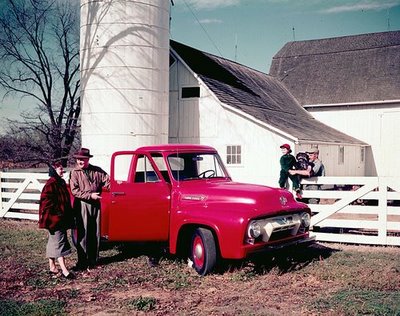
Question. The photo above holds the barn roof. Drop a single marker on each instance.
(259, 95)
(359, 68)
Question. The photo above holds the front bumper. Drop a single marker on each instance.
(259, 248)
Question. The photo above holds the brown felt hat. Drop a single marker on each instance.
(83, 153)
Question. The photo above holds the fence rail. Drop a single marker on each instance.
(20, 194)
(361, 210)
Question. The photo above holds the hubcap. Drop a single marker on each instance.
(198, 252)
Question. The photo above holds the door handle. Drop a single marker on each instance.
(117, 193)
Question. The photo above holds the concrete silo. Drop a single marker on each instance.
(124, 47)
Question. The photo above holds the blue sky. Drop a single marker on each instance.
(251, 32)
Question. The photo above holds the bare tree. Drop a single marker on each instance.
(39, 51)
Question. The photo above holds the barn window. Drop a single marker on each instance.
(190, 92)
(341, 155)
(234, 154)
(362, 158)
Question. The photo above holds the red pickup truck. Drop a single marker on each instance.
(183, 195)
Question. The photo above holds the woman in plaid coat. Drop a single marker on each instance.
(55, 215)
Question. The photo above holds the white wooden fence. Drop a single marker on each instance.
(374, 219)
(20, 194)
(370, 214)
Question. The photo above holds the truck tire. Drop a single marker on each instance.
(203, 251)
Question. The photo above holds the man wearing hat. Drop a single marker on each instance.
(318, 168)
(86, 183)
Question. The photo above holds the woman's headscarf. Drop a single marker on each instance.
(52, 170)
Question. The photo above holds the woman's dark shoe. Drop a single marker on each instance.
(69, 276)
(79, 267)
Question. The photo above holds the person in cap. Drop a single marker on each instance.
(55, 215)
(288, 162)
(318, 168)
(86, 183)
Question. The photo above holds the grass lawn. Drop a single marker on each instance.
(325, 279)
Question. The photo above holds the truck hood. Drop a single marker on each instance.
(238, 197)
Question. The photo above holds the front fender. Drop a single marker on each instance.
(228, 231)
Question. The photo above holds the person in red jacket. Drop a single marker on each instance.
(55, 215)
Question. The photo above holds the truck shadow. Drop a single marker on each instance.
(283, 261)
(123, 251)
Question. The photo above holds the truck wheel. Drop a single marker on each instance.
(203, 251)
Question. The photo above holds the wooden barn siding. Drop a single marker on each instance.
(329, 155)
(206, 121)
(260, 147)
(377, 125)
(183, 113)
(390, 144)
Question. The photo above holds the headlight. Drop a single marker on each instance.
(305, 219)
(254, 230)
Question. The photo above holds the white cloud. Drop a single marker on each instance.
(215, 4)
(366, 6)
(211, 4)
(210, 21)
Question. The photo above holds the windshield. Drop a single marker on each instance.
(191, 166)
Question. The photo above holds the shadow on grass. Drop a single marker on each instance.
(284, 260)
(154, 251)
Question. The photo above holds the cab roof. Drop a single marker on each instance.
(177, 147)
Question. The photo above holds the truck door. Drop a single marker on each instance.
(140, 199)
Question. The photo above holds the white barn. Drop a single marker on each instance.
(247, 115)
(351, 83)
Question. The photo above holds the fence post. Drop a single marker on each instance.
(382, 209)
